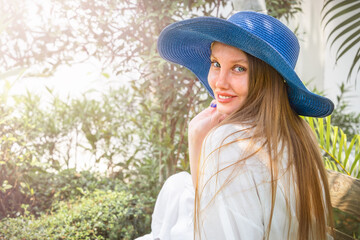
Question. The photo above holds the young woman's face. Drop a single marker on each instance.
(228, 77)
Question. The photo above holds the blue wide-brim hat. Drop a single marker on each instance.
(188, 43)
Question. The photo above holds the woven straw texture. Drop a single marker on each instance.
(188, 43)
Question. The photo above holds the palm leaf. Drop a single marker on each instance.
(357, 155)
(328, 131)
(321, 130)
(335, 136)
(350, 10)
(356, 59)
(343, 32)
(339, 154)
(342, 12)
(347, 40)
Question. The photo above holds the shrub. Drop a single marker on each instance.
(44, 188)
(67, 185)
(99, 215)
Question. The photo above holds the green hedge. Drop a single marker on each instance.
(99, 215)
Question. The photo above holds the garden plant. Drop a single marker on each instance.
(137, 131)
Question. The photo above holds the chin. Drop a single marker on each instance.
(224, 110)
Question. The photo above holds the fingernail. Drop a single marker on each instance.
(213, 105)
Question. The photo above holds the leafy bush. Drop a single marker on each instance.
(68, 184)
(38, 141)
(44, 188)
(99, 215)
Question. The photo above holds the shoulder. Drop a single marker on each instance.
(233, 143)
(232, 139)
(227, 133)
(231, 128)
(231, 164)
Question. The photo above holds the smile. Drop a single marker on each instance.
(225, 97)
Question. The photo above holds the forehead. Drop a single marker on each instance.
(223, 50)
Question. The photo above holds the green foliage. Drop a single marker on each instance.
(37, 141)
(283, 8)
(16, 157)
(47, 189)
(169, 95)
(340, 154)
(106, 127)
(139, 133)
(349, 122)
(99, 215)
(347, 32)
(347, 223)
(68, 184)
(44, 35)
(338, 136)
(163, 99)
(146, 128)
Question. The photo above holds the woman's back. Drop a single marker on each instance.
(235, 195)
(260, 180)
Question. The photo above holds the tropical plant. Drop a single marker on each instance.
(340, 154)
(348, 121)
(346, 32)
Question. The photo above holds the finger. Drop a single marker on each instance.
(213, 104)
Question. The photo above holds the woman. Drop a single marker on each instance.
(256, 170)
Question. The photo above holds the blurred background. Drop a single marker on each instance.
(93, 121)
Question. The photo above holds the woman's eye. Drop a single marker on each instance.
(239, 69)
(215, 64)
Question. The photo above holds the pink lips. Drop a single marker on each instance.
(228, 98)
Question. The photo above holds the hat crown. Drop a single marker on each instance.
(188, 43)
(270, 30)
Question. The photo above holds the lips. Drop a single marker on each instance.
(224, 97)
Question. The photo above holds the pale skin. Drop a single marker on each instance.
(229, 79)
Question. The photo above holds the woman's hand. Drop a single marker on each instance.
(202, 123)
(198, 128)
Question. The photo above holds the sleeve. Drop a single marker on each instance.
(235, 188)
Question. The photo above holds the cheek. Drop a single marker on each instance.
(242, 86)
(211, 80)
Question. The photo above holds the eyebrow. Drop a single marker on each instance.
(234, 61)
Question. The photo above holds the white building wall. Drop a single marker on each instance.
(317, 61)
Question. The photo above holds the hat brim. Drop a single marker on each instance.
(188, 43)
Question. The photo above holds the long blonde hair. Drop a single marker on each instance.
(268, 109)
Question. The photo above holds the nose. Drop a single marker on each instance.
(222, 82)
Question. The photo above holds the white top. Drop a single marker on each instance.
(241, 209)
(238, 210)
